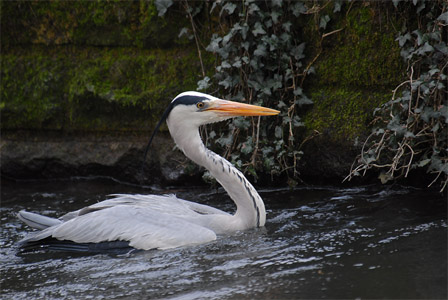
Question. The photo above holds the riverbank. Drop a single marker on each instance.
(42, 155)
(81, 93)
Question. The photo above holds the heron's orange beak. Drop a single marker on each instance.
(230, 108)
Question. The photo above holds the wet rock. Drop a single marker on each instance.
(43, 155)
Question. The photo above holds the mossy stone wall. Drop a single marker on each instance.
(91, 65)
(66, 87)
(356, 71)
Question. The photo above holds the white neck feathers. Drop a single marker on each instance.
(250, 207)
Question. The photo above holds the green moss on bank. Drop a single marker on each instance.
(343, 113)
(363, 54)
(356, 72)
(92, 88)
(90, 23)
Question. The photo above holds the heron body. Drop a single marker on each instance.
(164, 221)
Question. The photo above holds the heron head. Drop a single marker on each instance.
(193, 109)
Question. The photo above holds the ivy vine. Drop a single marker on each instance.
(260, 60)
(411, 129)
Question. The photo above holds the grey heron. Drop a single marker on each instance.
(162, 221)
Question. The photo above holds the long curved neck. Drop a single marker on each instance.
(250, 207)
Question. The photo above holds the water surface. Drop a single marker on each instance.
(319, 242)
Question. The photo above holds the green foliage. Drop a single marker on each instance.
(412, 127)
(266, 50)
(260, 60)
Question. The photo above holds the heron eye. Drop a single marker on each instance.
(200, 105)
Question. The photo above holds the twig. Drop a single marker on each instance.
(187, 8)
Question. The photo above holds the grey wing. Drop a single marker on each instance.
(141, 227)
(157, 203)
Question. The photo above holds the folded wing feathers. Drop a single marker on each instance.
(147, 222)
(142, 228)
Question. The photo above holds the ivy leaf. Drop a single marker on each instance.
(162, 6)
(379, 131)
(183, 31)
(225, 141)
(438, 165)
(253, 84)
(227, 38)
(277, 3)
(281, 104)
(298, 9)
(419, 36)
(237, 64)
(324, 21)
(297, 52)
(303, 100)
(415, 85)
(242, 123)
(425, 48)
(409, 134)
(403, 38)
(443, 17)
(441, 47)
(286, 120)
(274, 16)
(229, 7)
(253, 8)
(214, 44)
(298, 91)
(247, 147)
(286, 26)
(226, 83)
(225, 64)
(213, 6)
(260, 51)
(266, 90)
(203, 84)
(258, 29)
(436, 127)
(433, 71)
(337, 6)
(405, 52)
(296, 122)
(421, 7)
(245, 45)
(384, 177)
(278, 132)
(423, 162)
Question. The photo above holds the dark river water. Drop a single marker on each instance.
(319, 242)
